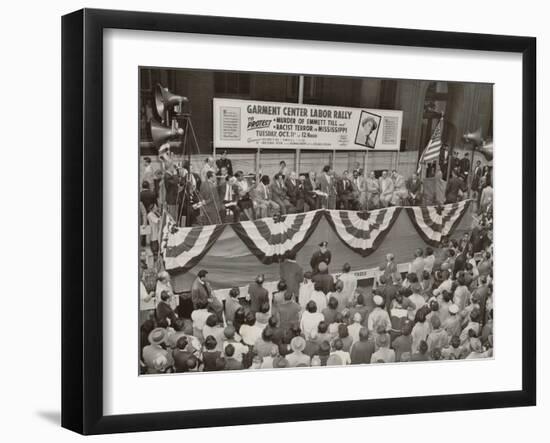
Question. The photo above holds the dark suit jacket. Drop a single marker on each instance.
(344, 188)
(294, 191)
(293, 275)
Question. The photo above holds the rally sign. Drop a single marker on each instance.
(255, 124)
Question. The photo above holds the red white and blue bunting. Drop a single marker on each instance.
(363, 231)
(272, 239)
(183, 248)
(433, 223)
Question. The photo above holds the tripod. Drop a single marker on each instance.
(189, 192)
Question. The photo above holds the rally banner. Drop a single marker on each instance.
(362, 232)
(185, 247)
(275, 125)
(272, 239)
(436, 222)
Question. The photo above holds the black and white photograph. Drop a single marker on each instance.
(299, 220)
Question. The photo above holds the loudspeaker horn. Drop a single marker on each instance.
(486, 148)
(474, 137)
(160, 134)
(164, 99)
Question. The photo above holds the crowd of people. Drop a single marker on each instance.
(219, 194)
(441, 309)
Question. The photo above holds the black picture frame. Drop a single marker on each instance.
(82, 218)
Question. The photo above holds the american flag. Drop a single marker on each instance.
(431, 152)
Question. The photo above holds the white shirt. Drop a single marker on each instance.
(350, 284)
(306, 289)
(429, 263)
(309, 323)
(144, 304)
(320, 300)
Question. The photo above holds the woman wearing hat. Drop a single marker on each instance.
(157, 359)
(297, 356)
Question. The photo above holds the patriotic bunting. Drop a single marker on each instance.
(436, 222)
(362, 231)
(185, 247)
(271, 239)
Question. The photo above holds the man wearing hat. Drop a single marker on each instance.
(452, 325)
(224, 162)
(379, 318)
(297, 356)
(157, 359)
(322, 255)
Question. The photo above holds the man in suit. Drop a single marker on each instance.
(465, 166)
(229, 196)
(322, 255)
(263, 201)
(292, 273)
(372, 188)
(211, 198)
(455, 187)
(345, 192)
(386, 189)
(278, 191)
(295, 192)
(201, 293)
(326, 184)
(476, 179)
(224, 162)
(359, 190)
(309, 186)
(414, 190)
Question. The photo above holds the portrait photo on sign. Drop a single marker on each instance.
(367, 130)
(299, 220)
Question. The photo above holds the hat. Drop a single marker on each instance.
(357, 317)
(298, 344)
(157, 336)
(382, 340)
(322, 266)
(453, 309)
(323, 243)
(378, 301)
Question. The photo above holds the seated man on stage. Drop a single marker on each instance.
(243, 191)
(414, 190)
(229, 197)
(372, 186)
(344, 193)
(386, 189)
(295, 192)
(358, 184)
(278, 191)
(263, 201)
(212, 205)
(399, 189)
(310, 197)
